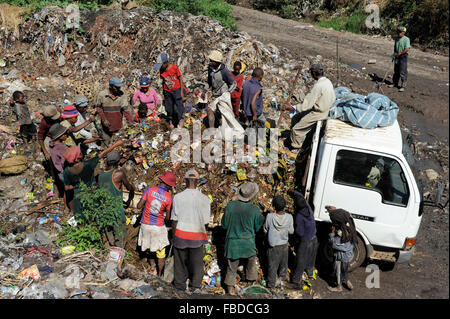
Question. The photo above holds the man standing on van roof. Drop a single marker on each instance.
(401, 48)
(315, 106)
(112, 105)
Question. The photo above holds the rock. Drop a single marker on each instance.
(129, 284)
(100, 295)
(431, 174)
(61, 60)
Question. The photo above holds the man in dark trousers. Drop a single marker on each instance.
(242, 220)
(190, 214)
(173, 90)
(401, 48)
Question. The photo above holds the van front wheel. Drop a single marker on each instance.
(359, 254)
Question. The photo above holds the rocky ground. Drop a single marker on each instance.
(51, 65)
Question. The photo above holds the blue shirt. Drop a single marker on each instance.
(249, 89)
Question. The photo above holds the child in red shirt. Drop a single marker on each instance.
(141, 114)
(236, 95)
(172, 90)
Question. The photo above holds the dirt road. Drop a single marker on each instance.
(428, 86)
(423, 106)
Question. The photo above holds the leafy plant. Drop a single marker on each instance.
(85, 237)
(100, 212)
(99, 207)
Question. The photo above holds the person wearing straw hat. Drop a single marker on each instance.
(58, 135)
(400, 56)
(146, 95)
(241, 220)
(222, 85)
(51, 116)
(156, 203)
(190, 214)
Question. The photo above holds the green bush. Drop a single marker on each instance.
(101, 213)
(38, 4)
(84, 238)
(216, 9)
(99, 207)
(354, 23)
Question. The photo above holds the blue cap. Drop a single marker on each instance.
(162, 58)
(144, 81)
(115, 82)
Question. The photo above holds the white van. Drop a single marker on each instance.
(364, 172)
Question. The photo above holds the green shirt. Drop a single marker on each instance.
(241, 220)
(402, 44)
(105, 180)
(86, 176)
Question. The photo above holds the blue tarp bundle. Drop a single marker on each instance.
(371, 111)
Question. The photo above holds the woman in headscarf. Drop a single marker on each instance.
(305, 230)
(79, 171)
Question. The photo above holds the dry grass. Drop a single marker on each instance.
(11, 16)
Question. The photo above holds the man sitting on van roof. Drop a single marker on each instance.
(315, 106)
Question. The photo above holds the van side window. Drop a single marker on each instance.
(373, 172)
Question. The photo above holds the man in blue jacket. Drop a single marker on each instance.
(305, 230)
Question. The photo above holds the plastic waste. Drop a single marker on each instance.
(116, 255)
(56, 289)
(256, 290)
(111, 270)
(73, 280)
(146, 291)
(30, 272)
(10, 290)
(100, 295)
(33, 291)
(72, 222)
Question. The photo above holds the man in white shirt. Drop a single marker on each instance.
(190, 214)
(316, 105)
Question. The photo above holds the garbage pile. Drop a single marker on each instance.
(52, 64)
(114, 42)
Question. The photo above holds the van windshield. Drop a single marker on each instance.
(373, 172)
